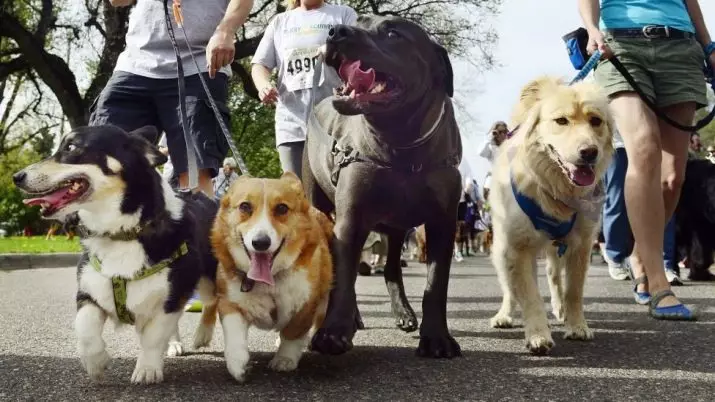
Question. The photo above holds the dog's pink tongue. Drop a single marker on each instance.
(261, 265)
(52, 199)
(583, 176)
(359, 80)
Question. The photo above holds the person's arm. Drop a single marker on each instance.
(696, 15)
(121, 3)
(220, 49)
(590, 11)
(263, 62)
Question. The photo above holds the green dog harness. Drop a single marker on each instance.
(119, 284)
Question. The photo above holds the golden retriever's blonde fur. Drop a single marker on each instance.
(559, 154)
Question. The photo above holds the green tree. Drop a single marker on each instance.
(14, 215)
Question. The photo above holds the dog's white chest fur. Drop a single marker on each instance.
(145, 297)
(272, 307)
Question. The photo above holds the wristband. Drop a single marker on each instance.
(709, 49)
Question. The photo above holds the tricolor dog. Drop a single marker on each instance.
(146, 248)
(275, 268)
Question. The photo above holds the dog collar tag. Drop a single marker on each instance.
(560, 248)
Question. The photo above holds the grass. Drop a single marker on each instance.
(38, 245)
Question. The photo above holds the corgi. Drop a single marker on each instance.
(275, 268)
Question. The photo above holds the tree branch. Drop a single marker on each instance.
(11, 67)
(50, 68)
(246, 81)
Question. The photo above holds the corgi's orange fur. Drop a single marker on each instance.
(275, 267)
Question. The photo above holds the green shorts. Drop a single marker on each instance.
(668, 71)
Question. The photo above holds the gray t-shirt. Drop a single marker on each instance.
(149, 52)
(290, 45)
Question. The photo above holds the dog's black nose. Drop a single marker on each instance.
(588, 154)
(261, 242)
(338, 32)
(19, 177)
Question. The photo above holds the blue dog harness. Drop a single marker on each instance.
(555, 229)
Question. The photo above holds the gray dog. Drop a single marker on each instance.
(383, 154)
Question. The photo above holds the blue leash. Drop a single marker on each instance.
(590, 64)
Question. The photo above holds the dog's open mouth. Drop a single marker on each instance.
(67, 192)
(582, 175)
(364, 84)
(261, 269)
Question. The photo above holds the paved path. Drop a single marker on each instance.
(632, 357)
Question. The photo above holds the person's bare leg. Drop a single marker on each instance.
(675, 154)
(205, 183)
(644, 196)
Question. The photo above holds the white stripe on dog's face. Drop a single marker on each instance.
(262, 232)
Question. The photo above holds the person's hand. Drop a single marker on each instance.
(596, 41)
(219, 51)
(268, 94)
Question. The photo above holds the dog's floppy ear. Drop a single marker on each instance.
(447, 75)
(148, 136)
(149, 133)
(532, 120)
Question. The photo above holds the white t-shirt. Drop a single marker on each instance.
(290, 44)
(149, 52)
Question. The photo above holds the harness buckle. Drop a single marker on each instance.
(655, 31)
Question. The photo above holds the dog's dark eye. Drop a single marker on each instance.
(245, 207)
(281, 209)
(562, 121)
(393, 34)
(595, 121)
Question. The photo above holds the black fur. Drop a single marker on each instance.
(695, 218)
(161, 235)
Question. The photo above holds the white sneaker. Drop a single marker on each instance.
(618, 271)
(458, 256)
(673, 277)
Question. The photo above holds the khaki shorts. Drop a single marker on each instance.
(668, 71)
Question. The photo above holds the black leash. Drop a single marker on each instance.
(191, 150)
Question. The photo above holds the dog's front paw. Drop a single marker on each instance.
(579, 332)
(438, 346)
(174, 349)
(501, 321)
(332, 340)
(147, 374)
(282, 363)
(406, 320)
(95, 364)
(237, 363)
(203, 336)
(539, 344)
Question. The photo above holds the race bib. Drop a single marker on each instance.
(299, 66)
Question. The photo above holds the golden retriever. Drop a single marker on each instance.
(551, 167)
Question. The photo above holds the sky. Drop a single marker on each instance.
(529, 45)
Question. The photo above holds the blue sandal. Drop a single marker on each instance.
(642, 298)
(677, 312)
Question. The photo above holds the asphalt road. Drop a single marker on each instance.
(632, 358)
